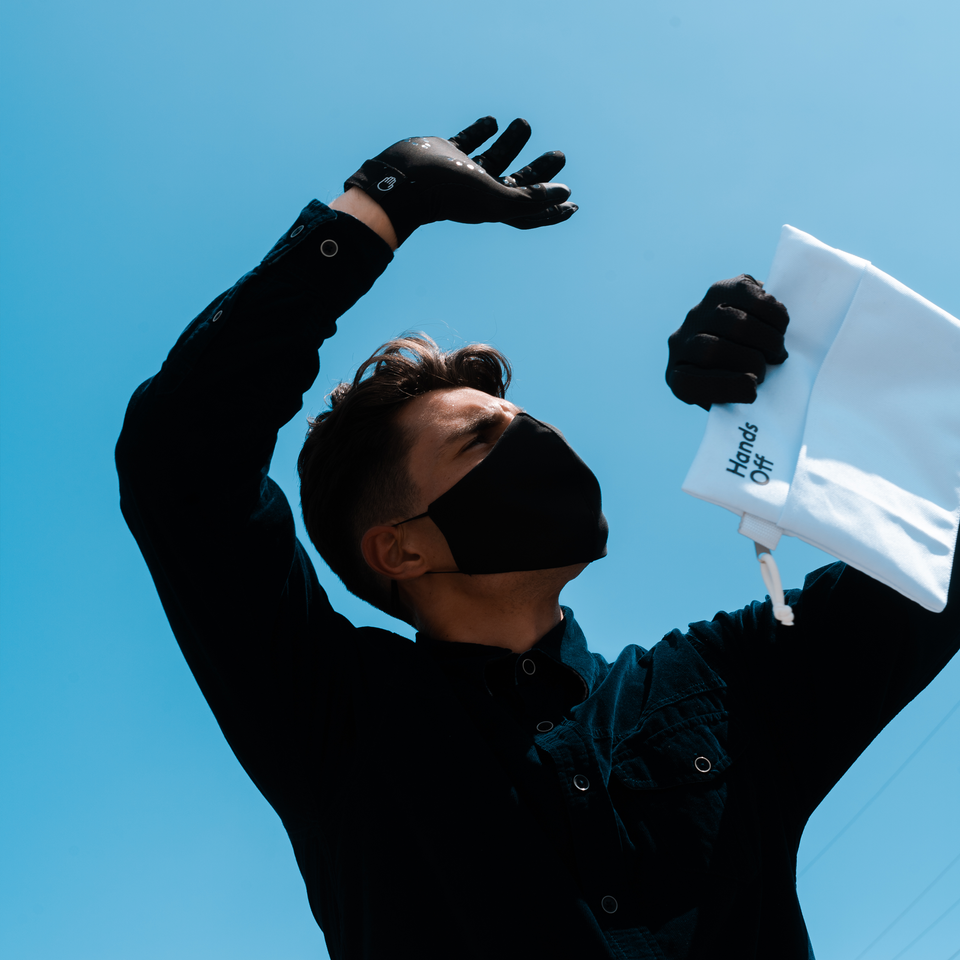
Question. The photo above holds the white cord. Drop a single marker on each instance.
(771, 577)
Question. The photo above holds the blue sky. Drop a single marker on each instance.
(153, 152)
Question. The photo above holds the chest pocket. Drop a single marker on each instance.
(671, 789)
(690, 751)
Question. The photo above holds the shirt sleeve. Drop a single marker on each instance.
(806, 700)
(217, 533)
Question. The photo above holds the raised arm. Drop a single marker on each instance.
(216, 532)
(813, 695)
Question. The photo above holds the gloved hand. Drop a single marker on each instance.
(721, 352)
(425, 179)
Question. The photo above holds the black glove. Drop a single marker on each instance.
(721, 352)
(425, 179)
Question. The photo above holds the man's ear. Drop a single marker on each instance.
(383, 549)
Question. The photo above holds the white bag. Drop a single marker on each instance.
(853, 443)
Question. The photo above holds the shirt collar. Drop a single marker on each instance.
(565, 644)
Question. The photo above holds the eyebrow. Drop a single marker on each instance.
(482, 421)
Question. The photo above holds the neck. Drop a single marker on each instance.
(512, 610)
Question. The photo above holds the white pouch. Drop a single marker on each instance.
(853, 443)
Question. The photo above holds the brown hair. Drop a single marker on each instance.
(353, 469)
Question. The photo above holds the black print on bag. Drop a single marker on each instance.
(762, 466)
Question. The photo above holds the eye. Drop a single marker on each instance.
(486, 433)
(478, 440)
(486, 436)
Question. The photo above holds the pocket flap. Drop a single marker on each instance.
(692, 751)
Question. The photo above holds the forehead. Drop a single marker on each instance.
(435, 416)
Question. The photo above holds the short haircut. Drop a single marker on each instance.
(353, 465)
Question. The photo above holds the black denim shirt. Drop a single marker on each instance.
(454, 800)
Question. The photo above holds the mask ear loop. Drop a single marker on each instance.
(771, 577)
(397, 608)
(419, 516)
(394, 589)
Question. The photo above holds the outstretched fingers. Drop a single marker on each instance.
(545, 218)
(471, 137)
(503, 151)
(546, 192)
(544, 168)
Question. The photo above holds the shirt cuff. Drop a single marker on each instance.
(321, 235)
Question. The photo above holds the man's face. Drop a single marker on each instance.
(452, 431)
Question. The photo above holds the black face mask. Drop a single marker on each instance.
(530, 504)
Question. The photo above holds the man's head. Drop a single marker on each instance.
(423, 467)
(413, 421)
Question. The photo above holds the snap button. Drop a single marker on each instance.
(217, 316)
(581, 783)
(544, 726)
(296, 232)
(702, 765)
(529, 667)
(329, 248)
(609, 904)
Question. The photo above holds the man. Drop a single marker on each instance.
(494, 789)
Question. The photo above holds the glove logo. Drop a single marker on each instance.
(387, 183)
